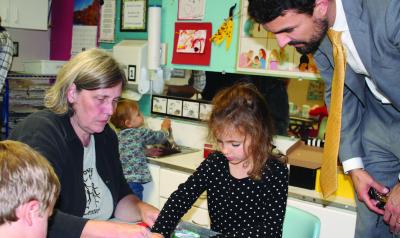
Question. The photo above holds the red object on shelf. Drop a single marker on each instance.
(208, 149)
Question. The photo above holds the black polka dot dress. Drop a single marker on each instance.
(237, 207)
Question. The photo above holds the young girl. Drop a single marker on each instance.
(132, 142)
(246, 184)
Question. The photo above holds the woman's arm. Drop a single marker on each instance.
(107, 229)
(132, 209)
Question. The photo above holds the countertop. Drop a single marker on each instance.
(190, 161)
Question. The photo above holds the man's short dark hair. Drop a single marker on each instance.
(263, 11)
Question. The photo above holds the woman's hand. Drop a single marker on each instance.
(132, 209)
(108, 229)
(148, 213)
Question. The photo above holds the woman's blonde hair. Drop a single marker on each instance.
(89, 70)
(25, 175)
(242, 108)
(123, 112)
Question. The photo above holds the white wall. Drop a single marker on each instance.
(33, 44)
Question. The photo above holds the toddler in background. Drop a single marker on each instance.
(246, 183)
(29, 189)
(133, 139)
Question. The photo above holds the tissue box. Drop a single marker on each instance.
(304, 161)
(49, 67)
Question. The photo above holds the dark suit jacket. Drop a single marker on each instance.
(375, 29)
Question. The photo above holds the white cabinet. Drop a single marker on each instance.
(27, 14)
(151, 190)
(335, 222)
(169, 182)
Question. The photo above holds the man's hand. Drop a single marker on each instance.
(148, 213)
(362, 183)
(392, 210)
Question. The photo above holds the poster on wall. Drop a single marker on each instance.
(191, 43)
(316, 90)
(107, 21)
(259, 52)
(85, 24)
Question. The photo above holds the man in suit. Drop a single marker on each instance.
(370, 132)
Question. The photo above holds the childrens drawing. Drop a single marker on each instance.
(191, 9)
(263, 58)
(307, 64)
(191, 41)
(259, 52)
(246, 59)
(256, 62)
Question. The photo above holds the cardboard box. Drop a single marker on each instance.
(304, 161)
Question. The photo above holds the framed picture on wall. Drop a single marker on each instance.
(133, 15)
(190, 109)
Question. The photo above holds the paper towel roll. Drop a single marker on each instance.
(154, 38)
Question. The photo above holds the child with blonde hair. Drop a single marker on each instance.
(29, 189)
(133, 139)
(246, 183)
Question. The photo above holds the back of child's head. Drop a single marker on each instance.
(25, 175)
(123, 112)
(242, 109)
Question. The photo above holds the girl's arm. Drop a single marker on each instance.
(181, 201)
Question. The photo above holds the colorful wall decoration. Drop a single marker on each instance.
(260, 53)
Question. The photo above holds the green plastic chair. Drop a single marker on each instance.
(300, 224)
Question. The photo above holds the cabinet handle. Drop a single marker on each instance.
(199, 224)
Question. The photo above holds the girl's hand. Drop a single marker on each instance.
(156, 235)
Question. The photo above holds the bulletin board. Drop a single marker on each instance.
(259, 53)
(121, 35)
(216, 11)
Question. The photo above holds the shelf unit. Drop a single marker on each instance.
(23, 95)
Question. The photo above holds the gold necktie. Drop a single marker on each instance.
(332, 136)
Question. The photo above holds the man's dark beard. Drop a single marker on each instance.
(321, 27)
